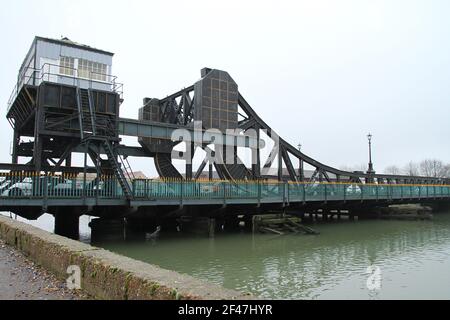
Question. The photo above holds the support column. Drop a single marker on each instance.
(37, 152)
(67, 222)
(16, 139)
(280, 165)
(211, 227)
(210, 171)
(301, 169)
(256, 158)
(69, 160)
(189, 162)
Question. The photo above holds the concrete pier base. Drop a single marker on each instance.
(67, 222)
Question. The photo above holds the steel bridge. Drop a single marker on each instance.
(107, 191)
(66, 118)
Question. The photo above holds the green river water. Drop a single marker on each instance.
(413, 257)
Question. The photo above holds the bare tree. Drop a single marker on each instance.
(392, 170)
(411, 169)
(428, 168)
(447, 171)
(433, 168)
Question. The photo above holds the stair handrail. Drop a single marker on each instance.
(118, 169)
(80, 113)
(127, 168)
(92, 112)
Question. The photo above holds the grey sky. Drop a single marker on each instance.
(322, 73)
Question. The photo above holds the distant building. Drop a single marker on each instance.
(139, 175)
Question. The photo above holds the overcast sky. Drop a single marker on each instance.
(323, 73)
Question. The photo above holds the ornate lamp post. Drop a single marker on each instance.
(370, 171)
(300, 166)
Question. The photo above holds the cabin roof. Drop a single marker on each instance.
(70, 43)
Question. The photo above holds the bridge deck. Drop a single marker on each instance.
(18, 191)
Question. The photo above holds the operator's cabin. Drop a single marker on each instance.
(64, 91)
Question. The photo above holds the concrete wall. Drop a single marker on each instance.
(106, 275)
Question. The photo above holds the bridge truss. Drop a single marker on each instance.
(75, 121)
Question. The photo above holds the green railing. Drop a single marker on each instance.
(107, 187)
(33, 186)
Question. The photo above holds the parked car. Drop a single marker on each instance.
(28, 187)
(4, 184)
(209, 188)
(312, 189)
(353, 189)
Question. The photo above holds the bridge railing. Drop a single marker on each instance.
(31, 185)
(196, 189)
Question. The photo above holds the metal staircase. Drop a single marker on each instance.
(21, 110)
(119, 169)
(102, 131)
(86, 114)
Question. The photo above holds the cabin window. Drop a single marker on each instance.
(92, 70)
(66, 66)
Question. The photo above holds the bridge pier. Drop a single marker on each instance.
(67, 222)
(201, 226)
